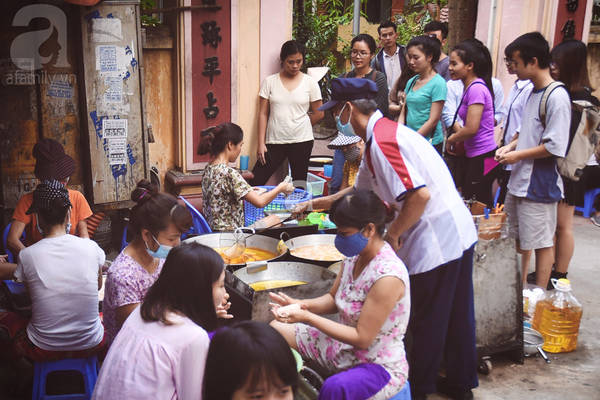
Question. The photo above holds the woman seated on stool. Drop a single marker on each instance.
(371, 295)
(161, 350)
(223, 187)
(62, 274)
(157, 222)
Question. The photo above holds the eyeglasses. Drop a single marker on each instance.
(508, 61)
(360, 54)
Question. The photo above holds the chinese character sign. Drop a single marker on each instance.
(211, 68)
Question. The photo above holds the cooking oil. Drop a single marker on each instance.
(557, 318)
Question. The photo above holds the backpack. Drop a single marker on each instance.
(585, 140)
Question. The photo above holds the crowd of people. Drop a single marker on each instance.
(419, 132)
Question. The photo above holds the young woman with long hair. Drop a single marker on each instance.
(426, 92)
(161, 350)
(470, 61)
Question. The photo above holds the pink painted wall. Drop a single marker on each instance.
(275, 29)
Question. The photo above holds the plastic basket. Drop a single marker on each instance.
(315, 184)
(281, 202)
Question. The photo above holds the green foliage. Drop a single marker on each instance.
(147, 19)
(317, 29)
(414, 19)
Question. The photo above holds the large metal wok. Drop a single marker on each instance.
(253, 304)
(311, 240)
(257, 241)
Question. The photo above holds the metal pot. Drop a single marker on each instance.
(257, 241)
(311, 240)
(319, 281)
(533, 342)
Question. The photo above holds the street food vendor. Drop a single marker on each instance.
(371, 295)
(433, 233)
(352, 147)
(223, 187)
(51, 163)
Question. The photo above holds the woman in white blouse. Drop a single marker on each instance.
(160, 351)
(288, 107)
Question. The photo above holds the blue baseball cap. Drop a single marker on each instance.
(348, 89)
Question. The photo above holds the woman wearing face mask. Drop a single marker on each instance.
(161, 350)
(157, 222)
(426, 92)
(352, 147)
(223, 188)
(62, 273)
(371, 295)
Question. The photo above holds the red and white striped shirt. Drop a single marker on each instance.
(397, 161)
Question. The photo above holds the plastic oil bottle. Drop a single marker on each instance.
(557, 318)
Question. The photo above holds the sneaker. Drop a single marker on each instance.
(595, 219)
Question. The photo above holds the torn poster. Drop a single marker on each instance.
(106, 30)
(114, 89)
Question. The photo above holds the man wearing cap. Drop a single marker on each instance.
(352, 147)
(433, 233)
(51, 163)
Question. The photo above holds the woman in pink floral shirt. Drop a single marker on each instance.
(157, 222)
(371, 295)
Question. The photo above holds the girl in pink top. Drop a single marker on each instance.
(371, 294)
(156, 222)
(470, 61)
(161, 350)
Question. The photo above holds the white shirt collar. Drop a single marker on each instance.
(376, 116)
(521, 83)
(395, 54)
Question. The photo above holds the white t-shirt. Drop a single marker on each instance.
(61, 274)
(513, 110)
(288, 119)
(403, 161)
(151, 360)
(538, 180)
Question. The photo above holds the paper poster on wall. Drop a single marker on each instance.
(60, 89)
(117, 151)
(106, 58)
(114, 89)
(114, 128)
(106, 30)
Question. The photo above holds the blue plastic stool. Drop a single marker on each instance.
(588, 202)
(88, 367)
(200, 224)
(404, 394)
(11, 258)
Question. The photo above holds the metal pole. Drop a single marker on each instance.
(356, 18)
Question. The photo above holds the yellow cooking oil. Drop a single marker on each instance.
(557, 318)
(275, 284)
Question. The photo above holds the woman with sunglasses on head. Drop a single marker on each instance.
(157, 222)
(371, 294)
(288, 103)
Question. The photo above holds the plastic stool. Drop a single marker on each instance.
(404, 394)
(88, 367)
(588, 202)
